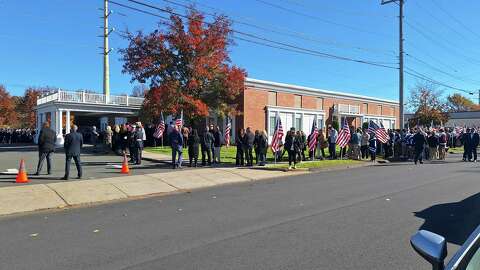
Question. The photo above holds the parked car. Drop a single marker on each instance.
(433, 248)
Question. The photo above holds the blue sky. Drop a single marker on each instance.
(55, 43)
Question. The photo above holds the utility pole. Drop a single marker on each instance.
(106, 51)
(400, 57)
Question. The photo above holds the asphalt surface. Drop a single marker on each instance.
(353, 219)
(95, 165)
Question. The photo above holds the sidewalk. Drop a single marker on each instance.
(28, 198)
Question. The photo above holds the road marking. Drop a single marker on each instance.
(34, 235)
(387, 199)
(96, 230)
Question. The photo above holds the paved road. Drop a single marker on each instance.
(353, 219)
(95, 165)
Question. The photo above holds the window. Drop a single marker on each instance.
(272, 124)
(319, 103)
(298, 121)
(379, 109)
(320, 121)
(297, 101)
(365, 108)
(272, 98)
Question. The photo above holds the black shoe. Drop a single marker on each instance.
(421, 162)
(36, 174)
(64, 178)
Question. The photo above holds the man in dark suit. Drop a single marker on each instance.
(466, 139)
(474, 144)
(249, 140)
(73, 145)
(420, 141)
(138, 137)
(46, 147)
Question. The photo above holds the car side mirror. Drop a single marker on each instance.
(432, 247)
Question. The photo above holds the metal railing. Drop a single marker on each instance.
(90, 98)
(347, 109)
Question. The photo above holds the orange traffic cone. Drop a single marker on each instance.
(22, 174)
(125, 168)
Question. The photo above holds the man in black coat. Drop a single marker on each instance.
(474, 144)
(206, 142)
(420, 141)
(73, 146)
(467, 145)
(46, 147)
(249, 142)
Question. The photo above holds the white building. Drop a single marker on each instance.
(63, 108)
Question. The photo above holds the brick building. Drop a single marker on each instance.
(299, 106)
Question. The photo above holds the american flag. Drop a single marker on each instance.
(379, 131)
(179, 121)
(343, 135)
(278, 135)
(313, 136)
(228, 128)
(160, 128)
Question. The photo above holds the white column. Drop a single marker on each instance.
(59, 122)
(67, 123)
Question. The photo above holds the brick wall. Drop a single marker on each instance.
(254, 115)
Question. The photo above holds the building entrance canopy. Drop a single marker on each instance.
(61, 107)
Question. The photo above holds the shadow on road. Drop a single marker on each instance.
(455, 221)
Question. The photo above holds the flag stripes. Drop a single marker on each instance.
(344, 135)
(277, 135)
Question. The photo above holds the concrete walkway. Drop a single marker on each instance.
(28, 198)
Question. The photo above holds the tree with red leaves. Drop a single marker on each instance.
(8, 115)
(187, 65)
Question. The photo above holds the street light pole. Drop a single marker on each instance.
(400, 56)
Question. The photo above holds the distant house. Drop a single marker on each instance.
(466, 118)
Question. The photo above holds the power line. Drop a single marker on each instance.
(419, 75)
(321, 19)
(248, 35)
(289, 32)
(455, 19)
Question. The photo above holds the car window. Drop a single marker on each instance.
(474, 263)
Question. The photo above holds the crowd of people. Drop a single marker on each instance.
(13, 136)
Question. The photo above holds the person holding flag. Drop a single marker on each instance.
(292, 145)
(344, 135)
(277, 137)
(160, 129)
(312, 140)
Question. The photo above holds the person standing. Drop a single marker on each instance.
(262, 147)
(433, 146)
(217, 144)
(94, 137)
(212, 147)
(240, 143)
(46, 147)
(419, 144)
(292, 145)
(332, 142)
(255, 146)
(138, 136)
(372, 147)
(193, 144)
(249, 141)
(364, 144)
(466, 140)
(108, 138)
(185, 133)
(474, 144)
(176, 141)
(442, 144)
(321, 144)
(73, 146)
(206, 144)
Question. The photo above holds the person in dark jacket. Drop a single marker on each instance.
(73, 146)
(372, 147)
(432, 141)
(176, 141)
(217, 144)
(193, 144)
(249, 141)
(240, 143)
(138, 145)
(262, 144)
(46, 147)
(475, 141)
(206, 144)
(420, 141)
(292, 146)
(255, 145)
(466, 139)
